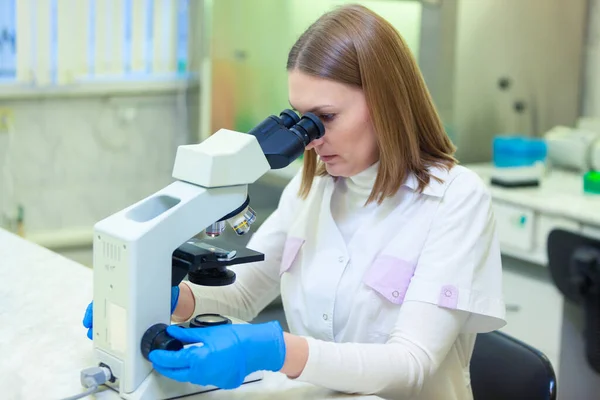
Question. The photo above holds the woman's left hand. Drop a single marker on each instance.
(225, 354)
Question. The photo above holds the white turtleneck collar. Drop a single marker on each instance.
(363, 181)
(349, 197)
(352, 193)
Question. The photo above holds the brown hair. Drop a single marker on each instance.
(355, 46)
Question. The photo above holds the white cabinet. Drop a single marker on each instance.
(515, 225)
(523, 232)
(534, 307)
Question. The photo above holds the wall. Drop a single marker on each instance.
(76, 160)
(80, 151)
(591, 86)
(405, 16)
(250, 48)
(539, 46)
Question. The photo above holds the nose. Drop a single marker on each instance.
(315, 143)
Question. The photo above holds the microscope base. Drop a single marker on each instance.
(158, 387)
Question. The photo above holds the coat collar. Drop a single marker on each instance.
(433, 188)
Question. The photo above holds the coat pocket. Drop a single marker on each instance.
(390, 277)
(290, 252)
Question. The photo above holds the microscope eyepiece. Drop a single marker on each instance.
(310, 128)
(284, 138)
(289, 118)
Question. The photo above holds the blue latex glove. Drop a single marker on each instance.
(88, 318)
(229, 354)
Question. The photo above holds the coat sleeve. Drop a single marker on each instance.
(398, 369)
(460, 266)
(456, 289)
(257, 284)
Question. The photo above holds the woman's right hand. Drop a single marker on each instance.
(88, 318)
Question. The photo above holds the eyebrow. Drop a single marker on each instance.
(313, 109)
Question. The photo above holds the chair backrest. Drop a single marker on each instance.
(504, 368)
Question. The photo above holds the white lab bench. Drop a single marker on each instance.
(43, 345)
(525, 217)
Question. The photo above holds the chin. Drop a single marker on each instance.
(337, 170)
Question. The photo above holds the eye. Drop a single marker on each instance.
(326, 117)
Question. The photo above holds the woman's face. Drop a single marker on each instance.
(349, 145)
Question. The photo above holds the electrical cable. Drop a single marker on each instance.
(91, 379)
(88, 392)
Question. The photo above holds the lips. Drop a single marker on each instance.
(327, 158)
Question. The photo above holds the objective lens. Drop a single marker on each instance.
(309, 128)
(241, 222)
(250, 215)
(241, 227)
(215, 229)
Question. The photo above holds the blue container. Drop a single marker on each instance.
(516, 151)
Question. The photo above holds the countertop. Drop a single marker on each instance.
(560, 193)
(43, 345)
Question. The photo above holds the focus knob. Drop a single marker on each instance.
(157, 338)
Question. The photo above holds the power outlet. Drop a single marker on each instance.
(6, 120)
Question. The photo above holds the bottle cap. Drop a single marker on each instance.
(591, 182)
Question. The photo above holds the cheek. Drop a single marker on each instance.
(357, 135)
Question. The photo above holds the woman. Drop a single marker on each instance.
(383, 249)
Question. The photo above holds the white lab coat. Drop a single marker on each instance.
(438, 247)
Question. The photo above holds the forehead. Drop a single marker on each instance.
(306, 91)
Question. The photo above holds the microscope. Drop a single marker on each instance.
(140, 252)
